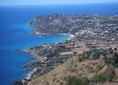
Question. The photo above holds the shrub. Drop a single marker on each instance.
(74, 81)
(77, 81)
(85, 81)
(96, 55)
(72, 67)
(98, 78)
(114, 61)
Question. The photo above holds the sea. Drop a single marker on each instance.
(15, 33)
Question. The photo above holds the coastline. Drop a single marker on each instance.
(50, 56)
(70, 37)
(38, 12)
(29, 75)
(41, 34)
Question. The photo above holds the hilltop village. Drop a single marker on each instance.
(89, 57)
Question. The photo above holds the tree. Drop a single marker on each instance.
(96, 55)
(114, 61)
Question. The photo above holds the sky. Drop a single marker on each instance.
(45, 2)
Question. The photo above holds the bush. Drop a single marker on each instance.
(96, 55)
(108, 61)
(98, 78)
(85, 81)
(114, 61)
(74, 81)
(72, 67)
(87, 54)
(77, 81)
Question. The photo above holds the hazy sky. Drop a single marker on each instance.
(40, 2)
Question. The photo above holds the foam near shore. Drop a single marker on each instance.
(29, 75)
(71, 36)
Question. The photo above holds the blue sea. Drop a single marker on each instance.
(15, 34)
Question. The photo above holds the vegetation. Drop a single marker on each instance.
(96, 33)
(98, 78)
(110, 74)
(71, 67)
(87, 54)
(77, 81)
(96, 55)
(74, 81)
(51, 51)
(113, 61)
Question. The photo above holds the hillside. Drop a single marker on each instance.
(83, 68)
(70, 24)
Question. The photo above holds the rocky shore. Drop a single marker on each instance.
(46, 62)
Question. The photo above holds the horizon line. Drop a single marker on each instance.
(60, 4)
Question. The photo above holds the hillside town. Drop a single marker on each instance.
(91, 52)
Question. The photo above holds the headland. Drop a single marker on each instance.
(90, 54)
